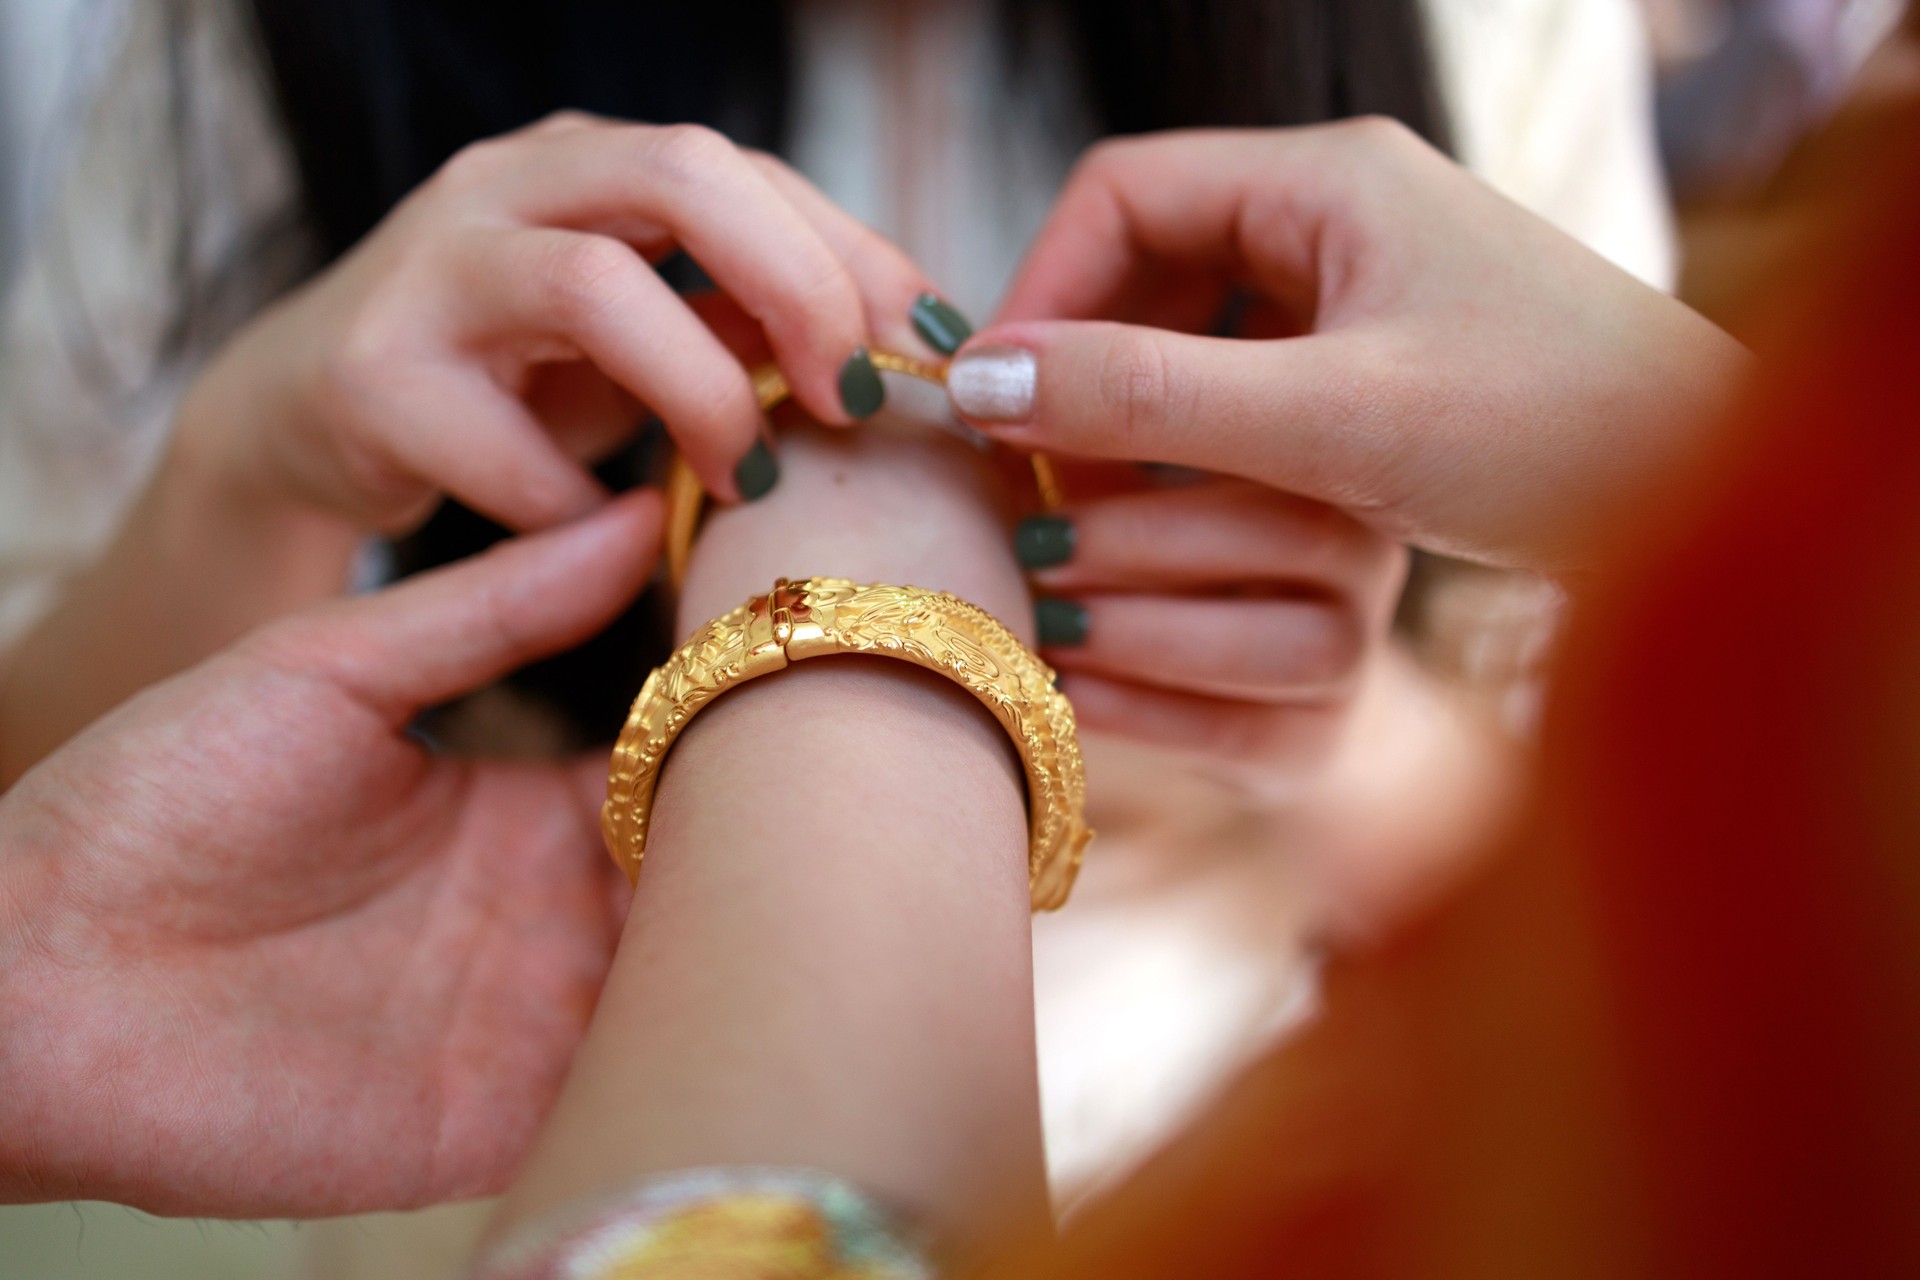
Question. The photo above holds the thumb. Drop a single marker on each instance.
(1288, 412)
(447, 632)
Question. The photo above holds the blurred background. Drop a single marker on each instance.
(39, 43)
(1733, 88)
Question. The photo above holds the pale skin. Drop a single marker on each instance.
(292, 1128)
(501, 329)
(730, 1030)
(262, 954)
(1422, 362)
(155, 1121)
(1421, 352)
(1111, 391)
(845, 816)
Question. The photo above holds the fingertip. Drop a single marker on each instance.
(623, 534)
(1061, 623)
(643, 510)
(1044, 542)
(757, 472)
(553, 497)
(861, 391)
(939, 323)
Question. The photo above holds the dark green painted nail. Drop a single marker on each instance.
(938, 324)
(1060, 622)
(860, 388)
(756, 474)
(1043, 541)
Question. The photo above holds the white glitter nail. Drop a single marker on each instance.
(993, 384)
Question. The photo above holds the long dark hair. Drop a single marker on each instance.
(375, 94)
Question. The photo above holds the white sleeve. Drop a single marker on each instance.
(1551, 102)
(174, 217)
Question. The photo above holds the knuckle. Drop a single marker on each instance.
(582, 277)
(495, 618)
(825, 293)
(723, 407)
(563, 119)
(1103, 159)
(814, 304)
(767, 163)
(1325, 646)
(350, 374)
(1381, 135)
(475, 165)
(302, 644)
(1381, 460)
(1138, 390)
(690, 154)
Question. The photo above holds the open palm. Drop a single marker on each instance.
(265, 954)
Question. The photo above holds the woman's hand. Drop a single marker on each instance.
(1218, 616)
(264, 954)
(500, 329)
(505, 322)
(1420, 352)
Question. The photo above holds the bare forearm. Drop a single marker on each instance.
(827, 963)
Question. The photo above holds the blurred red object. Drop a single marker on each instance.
(1673, 1028)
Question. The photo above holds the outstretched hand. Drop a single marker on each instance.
(262, 953)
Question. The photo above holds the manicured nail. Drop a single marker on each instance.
(993, 384)
(861, 390)
(1060, 622)
(1043, 541)
(756, 474)
(939, 325)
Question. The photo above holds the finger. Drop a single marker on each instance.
(587, 415)
(447, 632)
(688, 186)
(466, 436)
(1228, 201)
(1268, 738)
(565, 120)
(1267, 650)
(1210, 534)
(600, 298)
(904, 311)
(1316, 415)
(738, 332)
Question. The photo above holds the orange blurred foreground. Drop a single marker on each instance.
(1673, 1028)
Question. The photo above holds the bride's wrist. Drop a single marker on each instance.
(888, 502)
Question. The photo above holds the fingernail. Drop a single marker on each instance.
(756, 474)
(861, 391)
(1043, 541)
(993, 384)
(1059, 622)
(939, 325)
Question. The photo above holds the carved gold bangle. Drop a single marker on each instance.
(821, 616)
(686, 500)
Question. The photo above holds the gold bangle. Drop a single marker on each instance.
(821, 616)
(686, 500)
